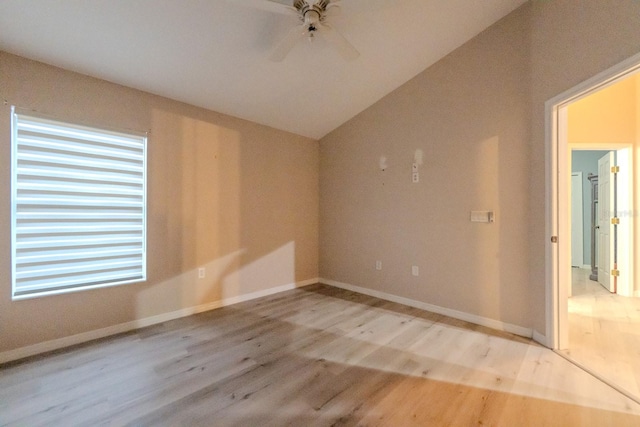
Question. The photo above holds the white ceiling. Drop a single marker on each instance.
(214, 53)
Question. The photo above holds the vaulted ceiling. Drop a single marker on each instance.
(215, 53)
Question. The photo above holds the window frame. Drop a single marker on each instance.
(16, 113)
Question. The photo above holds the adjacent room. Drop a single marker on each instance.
(604, 308)
(316, 212)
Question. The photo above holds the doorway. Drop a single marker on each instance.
(599, 197)
(615, 238)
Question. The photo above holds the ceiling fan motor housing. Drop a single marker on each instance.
(312, 13)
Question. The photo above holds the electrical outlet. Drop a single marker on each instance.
(378, 265)
(415, 270)
(415, 177)
(201, 273)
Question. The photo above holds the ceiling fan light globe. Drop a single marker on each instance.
(313, 14)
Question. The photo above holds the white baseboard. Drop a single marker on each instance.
(540, 339)
(471, 318)
(43, 347)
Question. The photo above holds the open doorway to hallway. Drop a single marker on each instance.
(597, 312)
(604, 325)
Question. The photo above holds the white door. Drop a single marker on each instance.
(577, 230)
(606, 203)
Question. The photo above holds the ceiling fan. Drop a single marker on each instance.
(313, 14)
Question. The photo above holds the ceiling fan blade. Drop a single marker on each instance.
(284, 47)
(269, 6)
(345, 49)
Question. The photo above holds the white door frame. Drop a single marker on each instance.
(557, 221)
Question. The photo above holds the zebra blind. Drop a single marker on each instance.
(78, 207)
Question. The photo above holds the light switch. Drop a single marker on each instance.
(481, 216)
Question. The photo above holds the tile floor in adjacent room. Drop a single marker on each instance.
(604, 332)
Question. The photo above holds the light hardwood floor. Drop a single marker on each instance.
(604, 332)
(317, 356)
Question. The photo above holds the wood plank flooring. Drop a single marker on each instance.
(317, 356)
(604, 332)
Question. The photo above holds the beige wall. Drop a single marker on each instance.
(235, 197)
(478, 115)
(469, 115)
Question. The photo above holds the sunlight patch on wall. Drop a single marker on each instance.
(486, 253)
(221, 279)
(270, 270)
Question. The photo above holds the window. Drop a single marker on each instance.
(78, 207)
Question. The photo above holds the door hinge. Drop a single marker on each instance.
(615, 169)
(615, 273)
(615, 220)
